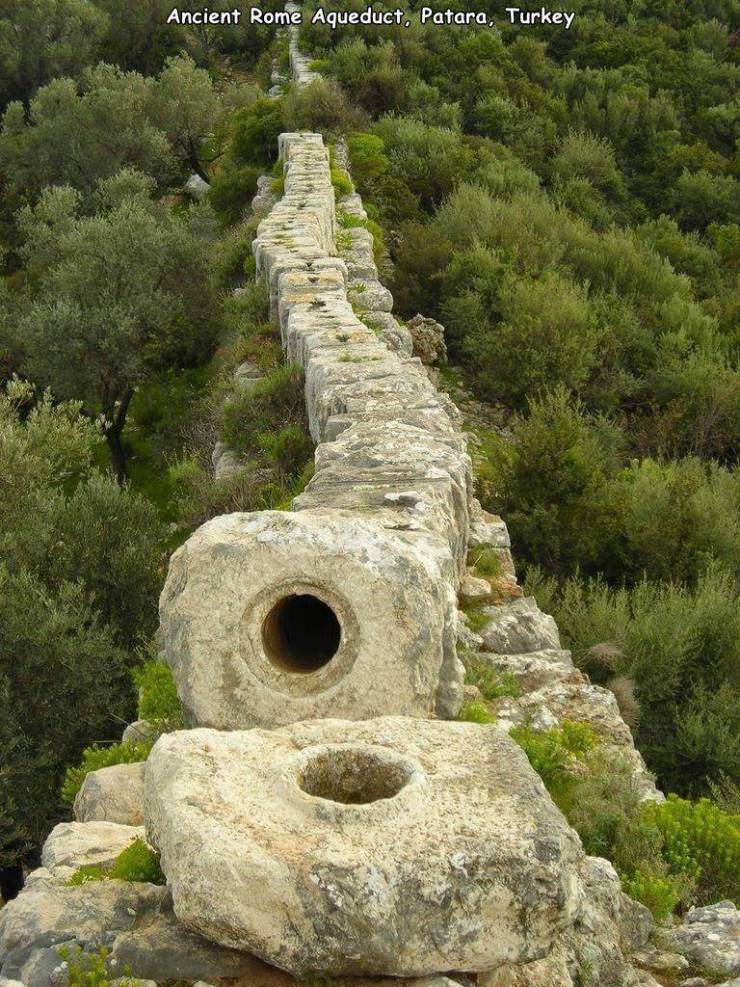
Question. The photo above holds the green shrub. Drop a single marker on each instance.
(341, 181)
(159, 703)
(320, 106)
(256, 131)
(658, 892)
(475, 711)
(232, 191)
(94, 758)
(485, 561)
(702, 841)
(88, 969)
(274, 402)
(679, 646)
(287, 449)
(492, 684)
(137, 862)
(553, 753)
(367, 157)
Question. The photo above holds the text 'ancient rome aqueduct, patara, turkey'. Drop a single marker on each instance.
(325, 815)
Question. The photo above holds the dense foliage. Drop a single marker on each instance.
(79, 576)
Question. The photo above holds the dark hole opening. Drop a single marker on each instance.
(301, 633)
(353, 777)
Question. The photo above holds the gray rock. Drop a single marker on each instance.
(278, 842)
(660, 960)
(428, 339)
(139, 732)
(133, 921)
(488, 530)
(474, 590)
(370, 296)
(247, 375)
(709, 937)
(518, 627)
(228, 463)
(112, 794)
(196, 187)
(72, 845)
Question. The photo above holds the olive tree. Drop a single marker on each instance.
(117, 298)
(41, 39)
(79, 577)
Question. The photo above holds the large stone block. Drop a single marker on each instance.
(271, 618)
(392, 846)
(111, 794)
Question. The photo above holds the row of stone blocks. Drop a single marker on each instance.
(373, 844)
(357, 585)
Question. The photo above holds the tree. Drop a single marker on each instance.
(79, 575)
(186, 108)
(76, 133)
(140, 37)
(41, 39)
(121, 297)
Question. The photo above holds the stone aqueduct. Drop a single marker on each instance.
(325, 813)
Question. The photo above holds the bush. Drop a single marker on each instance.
(552, 753)
(554, 488)
(475, 711)
(703, 841)
(256, 130)
(138, 862)
(320, 106)
(541, 335)
(368, 159)
(94, 758)
(492, 684)
(232, 191)
(159, 703)
(679, 646)
(251, 416)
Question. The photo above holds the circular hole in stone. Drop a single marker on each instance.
(301, 633)
(353, 777)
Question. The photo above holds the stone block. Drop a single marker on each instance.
(385, 847)
(273, 617)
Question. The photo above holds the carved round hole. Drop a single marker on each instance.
(301, 633)
(354, 777)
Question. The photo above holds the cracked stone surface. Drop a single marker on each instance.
(339, 847)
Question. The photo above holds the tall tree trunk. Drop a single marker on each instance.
(113, 437)
(117, 454)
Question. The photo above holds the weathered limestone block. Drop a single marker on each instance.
(518, 627)
(390, 331)
(71, 845)
(429, 340)
(138, 732)
(537, 669)
(196, 187)
(133, 921)
(488, 530)
(709, 937)
(112, 794)
(389, 846)
(273, 617)
(474, 590)
(370, 296)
